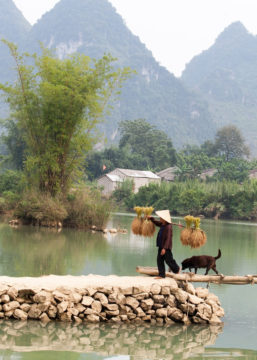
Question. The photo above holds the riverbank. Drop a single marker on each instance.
(96, 298)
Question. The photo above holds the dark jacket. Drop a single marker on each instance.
(166, 235)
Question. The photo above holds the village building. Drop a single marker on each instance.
(110, 181)
(168, 174)
(207, 173)
(253, 174)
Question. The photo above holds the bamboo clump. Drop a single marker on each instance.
(192, 235)
(141, 225)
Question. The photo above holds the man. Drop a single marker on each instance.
(164, 243)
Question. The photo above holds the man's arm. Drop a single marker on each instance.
(156, 222)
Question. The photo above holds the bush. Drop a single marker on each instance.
(86, 208)
(11, 181)
(41, 209)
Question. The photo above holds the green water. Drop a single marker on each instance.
(29, 251)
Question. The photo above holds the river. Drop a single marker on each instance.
(28, 251)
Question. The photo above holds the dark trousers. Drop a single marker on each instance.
(168, 258)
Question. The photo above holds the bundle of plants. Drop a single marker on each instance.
(186, 233)
(192, 235)
(148, 227)
(137, 222)
(198, 237)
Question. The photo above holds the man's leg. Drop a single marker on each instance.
(168, 257)
(160, 264)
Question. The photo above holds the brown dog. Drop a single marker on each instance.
(203, 261)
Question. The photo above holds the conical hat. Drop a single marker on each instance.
(165, 215)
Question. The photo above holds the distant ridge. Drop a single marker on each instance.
(94, 27)
(226, 76)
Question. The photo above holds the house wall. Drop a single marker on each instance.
(143, 182)
(253, 175)
(108, 185)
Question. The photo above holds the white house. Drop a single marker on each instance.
(110, 181)
(253, 174)
(207, 173)
(168, 174)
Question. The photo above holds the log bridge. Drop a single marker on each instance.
(191, 277)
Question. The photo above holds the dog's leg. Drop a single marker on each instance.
(195, 270)
(207, 270)
(214, 269)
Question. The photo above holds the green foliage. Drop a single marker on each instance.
(225, 199)
(230, 143)
(86, 208)
(123, 191)
(38, 208)
(11, 180)
(57, 105)
(141, 147)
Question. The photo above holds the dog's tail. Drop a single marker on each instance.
(219, 255)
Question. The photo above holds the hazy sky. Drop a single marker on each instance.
(174, 30)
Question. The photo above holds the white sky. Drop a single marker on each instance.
(174, 30)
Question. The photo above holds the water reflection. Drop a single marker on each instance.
(136, 341)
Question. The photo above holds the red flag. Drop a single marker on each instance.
(104, 167)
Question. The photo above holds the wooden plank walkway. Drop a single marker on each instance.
(191, 277)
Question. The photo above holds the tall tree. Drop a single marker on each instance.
(145, 140)
(229, 143)
(57, 105)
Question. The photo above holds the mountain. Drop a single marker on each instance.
(93, 27)
(13, 27)
(226, 76)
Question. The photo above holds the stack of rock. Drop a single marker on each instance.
(142, 341)
(155, 302)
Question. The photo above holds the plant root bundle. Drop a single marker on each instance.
(141, 225)
(137, 222)
(192, 235)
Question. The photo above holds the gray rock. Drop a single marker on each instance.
(25, 307)
(80, 308)
(188, 308)
(93, 318)
(204, 311)
(5, 299)
(9, 313)
(11, 306)
(141, 296)
(194, 299)
(162, 312)
(87, 300)
(59, 296)
(165, 290)
(132, 302)
(75, 297)
(44, 318)
(96, 306)
(155, 289)
(112, 313)
(175, 314)
(198, 320)
(3, 289)
(13, 293)
(139, 312)
(101, 297)
(171, 301)
(44, 307)
(62, 307)
(20, 315)
(42, 297)
(201, 292)
(66, 316)
(147, 304)
(158, 299)
(181, 295)
(111, 307)
(190, 288)
(215, 320)
(52, 311)
(127, 291)
(77, 320)
(34, 312)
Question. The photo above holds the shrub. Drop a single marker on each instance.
(41, 209)
(86, 208)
